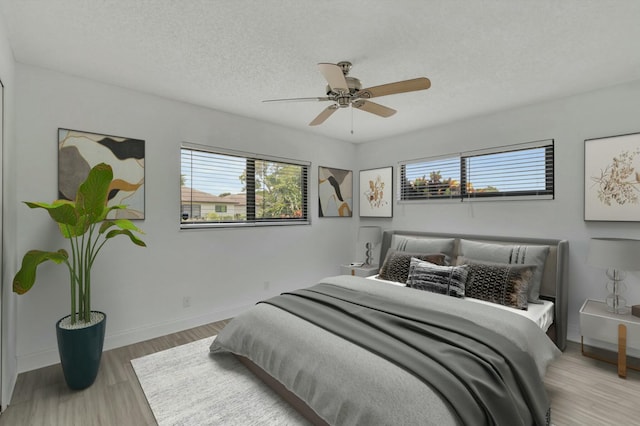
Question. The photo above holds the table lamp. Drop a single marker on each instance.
(370, 235)
(617, 255)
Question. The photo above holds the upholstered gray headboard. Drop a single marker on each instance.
(554, 280)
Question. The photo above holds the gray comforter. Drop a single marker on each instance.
(348, 385)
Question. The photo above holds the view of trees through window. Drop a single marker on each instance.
(439, 178)
(522, 172)
(223, 188)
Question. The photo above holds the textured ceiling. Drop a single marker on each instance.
(229, 55)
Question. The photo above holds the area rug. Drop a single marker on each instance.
(186, 385)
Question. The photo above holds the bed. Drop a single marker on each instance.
(354, 351)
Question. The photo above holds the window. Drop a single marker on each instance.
(433, 178)
(230, 188)
(518, 170)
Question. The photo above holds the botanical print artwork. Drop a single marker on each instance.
(376, 186)
(375, 193)
(79, 151)
(612, 178)
(335, 192)
(619, 182)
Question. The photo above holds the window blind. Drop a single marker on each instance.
(431, 178)
(525, 170)
(223, 187)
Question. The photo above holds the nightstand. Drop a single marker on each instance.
(359, 271)
(622, 330)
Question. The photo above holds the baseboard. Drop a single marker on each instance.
(50, 356)
(145, 333)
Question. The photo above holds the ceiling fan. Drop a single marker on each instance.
(345, 91)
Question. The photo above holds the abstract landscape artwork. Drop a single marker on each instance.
(79, 151)
(335, 192)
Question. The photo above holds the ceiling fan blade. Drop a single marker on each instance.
(420, 83)
(374, 108)
(335, 77)
(316, 99)
(326, 113)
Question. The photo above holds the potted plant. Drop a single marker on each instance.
(84, 223)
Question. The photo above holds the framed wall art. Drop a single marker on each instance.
(612, 178)
(376, 189)
(335, 192)
(79, 151)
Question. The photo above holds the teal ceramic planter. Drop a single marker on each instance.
(80, 353)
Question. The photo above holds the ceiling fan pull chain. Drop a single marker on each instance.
(352, 120)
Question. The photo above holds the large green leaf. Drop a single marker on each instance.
(127, 224)
(26, 276)
(62, 211)
(134, 239)
(91, 198)
(120, 223)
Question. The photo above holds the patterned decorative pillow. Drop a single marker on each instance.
(502, 284)
(513, 255)
(440, 279)
(396, 264)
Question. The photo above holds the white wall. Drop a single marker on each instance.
(141, 289)
(8, 301)
(224, 271)
(569, 121)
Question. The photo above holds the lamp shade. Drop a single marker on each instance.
(617, 253)
(369, 234)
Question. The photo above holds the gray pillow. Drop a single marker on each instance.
(512, 255)
(424, 245)
(396, 264)
(449, 280)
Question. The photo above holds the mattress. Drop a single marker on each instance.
(541, 314)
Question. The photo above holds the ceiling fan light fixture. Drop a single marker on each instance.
(347, 91)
